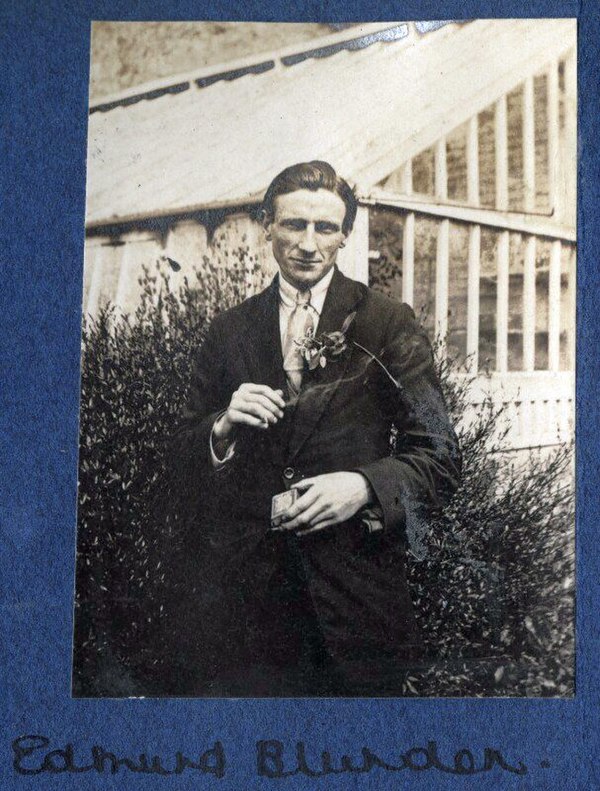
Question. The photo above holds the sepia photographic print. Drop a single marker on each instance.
(328, 356)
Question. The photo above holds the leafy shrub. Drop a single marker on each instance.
(493, 588)
(134, 379)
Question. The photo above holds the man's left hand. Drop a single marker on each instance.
(327, 500)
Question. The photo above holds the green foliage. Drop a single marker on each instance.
(135, 375)
(494, 592)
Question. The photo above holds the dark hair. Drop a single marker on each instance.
(311, 176)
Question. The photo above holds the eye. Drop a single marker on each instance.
(326, 227)
(294, 225)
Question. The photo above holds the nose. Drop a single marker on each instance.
(307, 243)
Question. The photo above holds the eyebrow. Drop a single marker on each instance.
(296, 220)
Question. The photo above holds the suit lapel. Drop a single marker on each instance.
(265, 361)
(263, 341)
(319, 386)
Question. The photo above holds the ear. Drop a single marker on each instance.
(266, 220)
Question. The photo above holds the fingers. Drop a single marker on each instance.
(312, 506)
(328, 499)
(291, 518)
(245, 397)
(318, 526)
(304, 483)
(307, 516)
(275, 396)
(256, 405)
(248, 419)
(302, 503)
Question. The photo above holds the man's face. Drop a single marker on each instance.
(306, 233)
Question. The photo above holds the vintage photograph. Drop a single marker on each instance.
(328, 361)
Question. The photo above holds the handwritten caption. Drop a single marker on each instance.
(35, 755)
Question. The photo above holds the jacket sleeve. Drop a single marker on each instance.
(191, 442)
(424, 465)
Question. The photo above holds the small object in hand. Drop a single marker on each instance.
(372, 520)
(280, 504)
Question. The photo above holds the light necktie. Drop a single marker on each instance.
(300, 322)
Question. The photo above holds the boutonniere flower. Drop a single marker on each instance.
(329, 347)
(326, 347)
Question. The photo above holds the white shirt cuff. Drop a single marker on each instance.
(216, 461)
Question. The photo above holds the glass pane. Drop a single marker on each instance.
(457, 291)
(542, 268)
(90, 258)
(487, 159)
(110, 258)
(393, 182)
(386, 228)
(541, 143)
(515, 149)
(515, 302)
(456, 160)
(424, 172)
(567, 307)
(425, 255)
(488, 283)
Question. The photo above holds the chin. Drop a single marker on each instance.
(307, 276)
(307, 280)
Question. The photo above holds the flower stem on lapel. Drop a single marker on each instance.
(328, 346)
(376, 359)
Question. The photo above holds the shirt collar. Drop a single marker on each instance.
(318, 292)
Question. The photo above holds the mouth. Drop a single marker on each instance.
(305, 262)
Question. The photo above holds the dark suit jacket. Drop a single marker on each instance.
(342, 421)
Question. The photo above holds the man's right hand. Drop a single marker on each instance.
(253, 405)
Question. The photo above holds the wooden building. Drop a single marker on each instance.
(461, 141)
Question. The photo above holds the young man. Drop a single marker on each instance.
(318, 604)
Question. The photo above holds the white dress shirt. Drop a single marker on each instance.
(287, 303)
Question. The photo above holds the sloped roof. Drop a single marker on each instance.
(365, 111)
